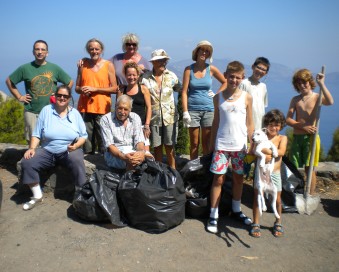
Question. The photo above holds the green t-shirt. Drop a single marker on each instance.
(40, 82)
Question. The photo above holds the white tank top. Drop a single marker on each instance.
(232, 131)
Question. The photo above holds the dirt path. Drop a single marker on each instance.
(51, 238)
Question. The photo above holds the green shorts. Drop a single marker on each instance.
(301, 148)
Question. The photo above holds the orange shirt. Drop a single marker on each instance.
(96, 103)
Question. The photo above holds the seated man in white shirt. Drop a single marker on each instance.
(123, 136)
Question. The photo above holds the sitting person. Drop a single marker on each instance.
(123, 136)
(62, 132)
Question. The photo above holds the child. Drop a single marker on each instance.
(257, 90)
(274, 121)
(231, 126)
(304, 105)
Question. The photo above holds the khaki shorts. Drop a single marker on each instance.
(166, 135)
(30, 123)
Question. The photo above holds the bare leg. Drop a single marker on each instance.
(238, 181)
(279, 207)
(158, 153)
(170, 155)
(205, 138)
(256, 214)
(194, 142)
(218, 181)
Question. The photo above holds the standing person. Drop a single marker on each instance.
(197, 97)
(130, 45)
(162, 83)
(141, 98)
(61, 132)
(123, 136)
(231, 129)
(95, 84)
(304, 106)
(40, 78)
(257, 90)
(274, 121)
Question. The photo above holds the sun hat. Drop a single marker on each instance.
(159, 54)
(200, 44)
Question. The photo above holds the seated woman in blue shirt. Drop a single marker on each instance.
(61, 132)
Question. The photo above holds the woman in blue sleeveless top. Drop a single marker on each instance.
(197, 97)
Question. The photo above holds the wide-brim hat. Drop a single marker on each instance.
(200, 44)
(159, 54)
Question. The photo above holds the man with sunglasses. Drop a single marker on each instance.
(40, 78)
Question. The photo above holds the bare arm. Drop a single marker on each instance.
(327, 98)
(78, 81)
(184, 96)
(15, 92)
(33, 145)
(215, 124)
(249, 118)
(219, 76)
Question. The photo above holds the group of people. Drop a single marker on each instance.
(146, 114)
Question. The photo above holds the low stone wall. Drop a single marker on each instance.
(60, 181)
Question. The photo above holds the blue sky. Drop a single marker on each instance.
(297, 34)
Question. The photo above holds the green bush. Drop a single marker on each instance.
(333, 153)
(11, 122)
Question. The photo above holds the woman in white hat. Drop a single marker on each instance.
(197, 97)
(161, 84)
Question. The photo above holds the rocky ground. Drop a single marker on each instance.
(52, 238)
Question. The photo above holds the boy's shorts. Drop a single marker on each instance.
(301, 148)
(166, 135)
(276, 179)
(220, 161)
(201, 118)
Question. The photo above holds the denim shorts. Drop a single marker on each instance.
(201, 118)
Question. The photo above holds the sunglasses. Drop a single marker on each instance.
(131, 44)
(66, 96)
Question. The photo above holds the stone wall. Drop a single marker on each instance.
(60, 180)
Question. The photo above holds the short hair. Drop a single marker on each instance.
(131, 64)
(66, 87)
(124, 99)
(303, 75)
(235, 67)
(40, 41)
(94, 40)
(129, 37)
(274, 116)
(264, 61)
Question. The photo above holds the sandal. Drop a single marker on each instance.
(32, 203)
(241, 217)
(278, 230)
(255, 231)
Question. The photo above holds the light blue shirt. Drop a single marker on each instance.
(56, 133)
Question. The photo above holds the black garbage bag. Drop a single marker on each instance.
(153, 197)
(86, 206)
(105, 185)
(198, 180)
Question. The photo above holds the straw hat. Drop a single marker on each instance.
(200, 44)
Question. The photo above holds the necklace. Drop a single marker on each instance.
(305, 98)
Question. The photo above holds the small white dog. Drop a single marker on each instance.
(263, 171)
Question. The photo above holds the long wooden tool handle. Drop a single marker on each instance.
(317, 123)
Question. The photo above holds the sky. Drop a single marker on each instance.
(303, 33)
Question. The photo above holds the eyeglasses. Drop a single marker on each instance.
(261, 68)
(40, 49)
(131, 44)
(66, 96)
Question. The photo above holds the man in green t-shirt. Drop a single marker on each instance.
(40, 78)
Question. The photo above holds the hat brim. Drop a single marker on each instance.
(159, 57)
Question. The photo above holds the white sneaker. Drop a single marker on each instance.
(212, 225)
